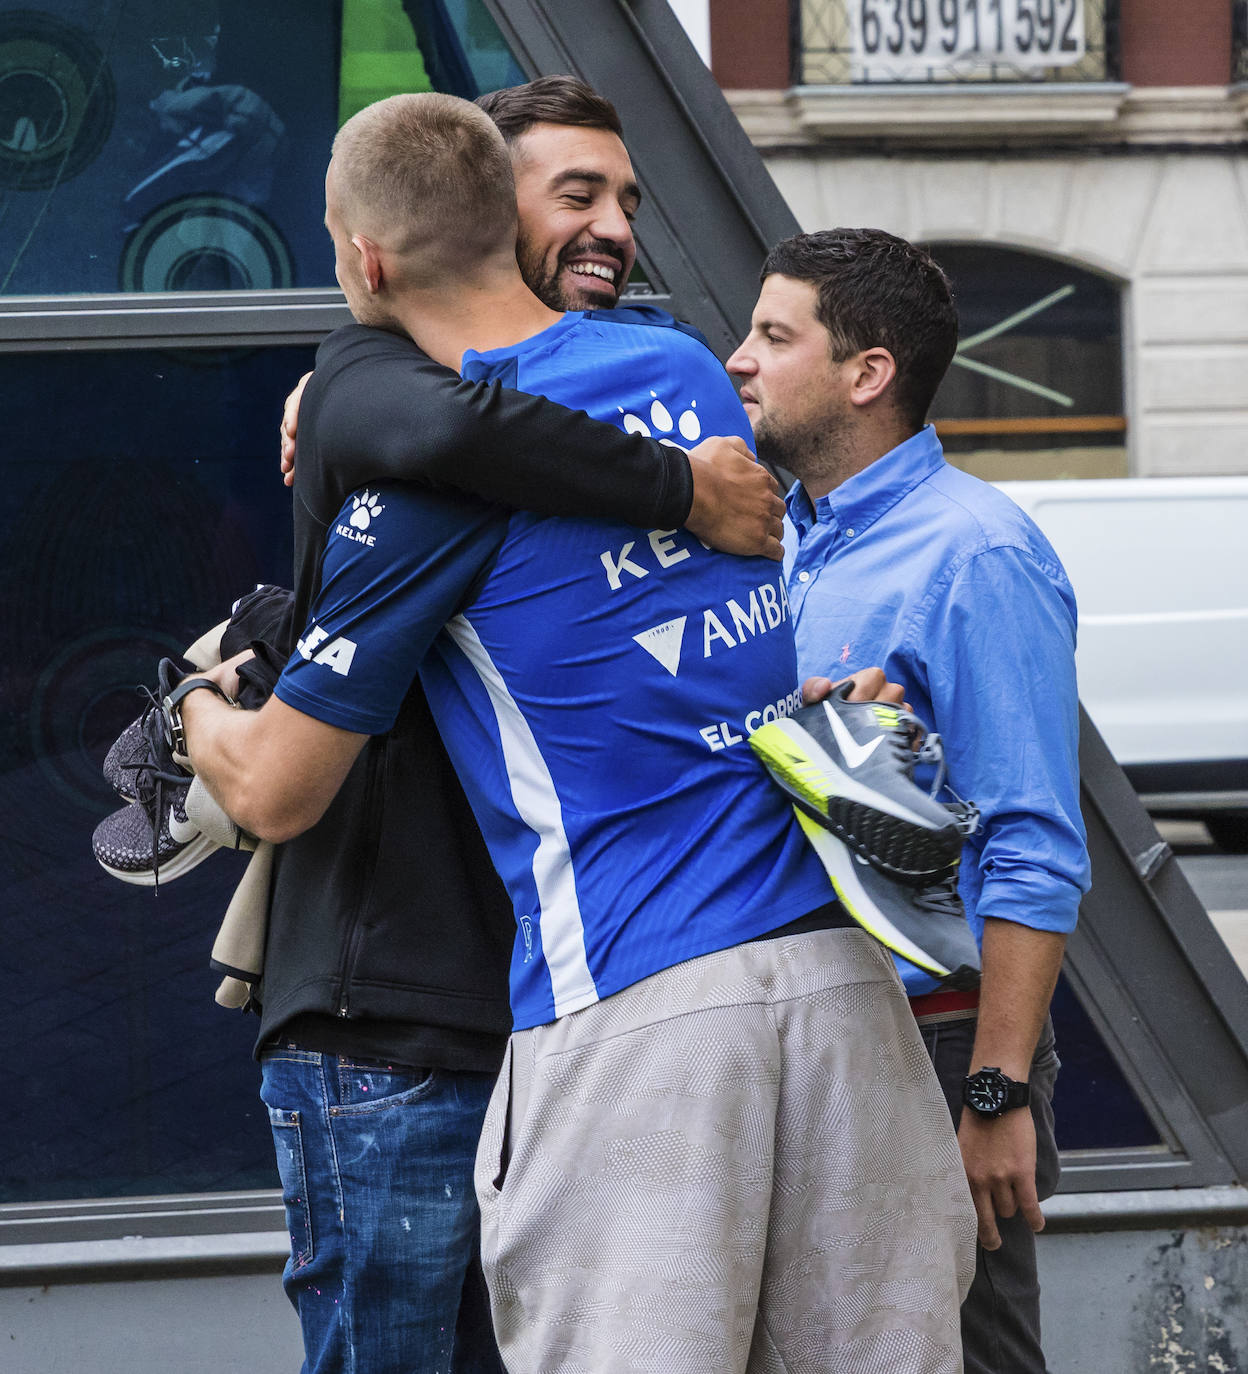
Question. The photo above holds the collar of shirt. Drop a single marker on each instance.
(858, 503)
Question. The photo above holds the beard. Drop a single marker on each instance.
(547, 283)
(793, 450)
(810, 452)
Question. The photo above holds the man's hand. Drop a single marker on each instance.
(870, 684)
(736, 502)
(290, 423)
(225, 675)
(999, 1156)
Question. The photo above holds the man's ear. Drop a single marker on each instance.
(874, 372)
(370, 262)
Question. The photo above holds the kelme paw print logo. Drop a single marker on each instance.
(364, 510)
(661, 424)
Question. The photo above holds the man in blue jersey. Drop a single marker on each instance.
(369, 1012)
(895, 557)
(716, 1136)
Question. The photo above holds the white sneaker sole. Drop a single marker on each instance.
(844, 872)
(188, 857)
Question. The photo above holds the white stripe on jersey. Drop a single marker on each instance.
(537, 804)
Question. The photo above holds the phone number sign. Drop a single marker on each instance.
(899, 40)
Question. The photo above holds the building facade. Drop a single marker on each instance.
(1095, 146)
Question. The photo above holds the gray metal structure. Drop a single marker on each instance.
(1164, 992)
(1146, 962)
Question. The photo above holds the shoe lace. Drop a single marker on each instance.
(965, 813)
(153, 769)
(941, 898)
(910, 742)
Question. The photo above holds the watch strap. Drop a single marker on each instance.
(175, 730)
(1017, 1094)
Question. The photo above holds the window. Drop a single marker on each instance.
(180, 145)
(174, 147)
(142, 498)
(1035, 389)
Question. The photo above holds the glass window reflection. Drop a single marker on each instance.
(180, 145)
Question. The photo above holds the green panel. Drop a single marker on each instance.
(379, 55)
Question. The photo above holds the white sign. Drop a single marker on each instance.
(909, 40)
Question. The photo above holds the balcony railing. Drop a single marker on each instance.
(1239, 41)
(866, 42)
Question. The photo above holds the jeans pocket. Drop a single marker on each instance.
(364, 1089)
(288, 1147)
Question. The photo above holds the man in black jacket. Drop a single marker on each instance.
(384, 1000)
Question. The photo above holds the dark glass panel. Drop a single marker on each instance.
(1039, 339)
(143, 498)
(1094, 1105)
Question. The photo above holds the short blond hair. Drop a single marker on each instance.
(429, 177)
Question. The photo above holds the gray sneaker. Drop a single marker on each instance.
(151, 839)
(849, 766)
(926, 925)
(153, 836)
(141, 746)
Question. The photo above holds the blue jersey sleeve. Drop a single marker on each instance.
(399, 561)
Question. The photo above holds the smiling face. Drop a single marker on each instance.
(576, 196)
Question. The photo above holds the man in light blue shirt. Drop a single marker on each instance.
(894, 557)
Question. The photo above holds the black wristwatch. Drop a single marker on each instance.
(990, 1093)
(171, 709)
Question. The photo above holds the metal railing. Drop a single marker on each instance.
(870, 42)
(1239, 41)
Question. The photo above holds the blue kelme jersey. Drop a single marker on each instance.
(594, 684)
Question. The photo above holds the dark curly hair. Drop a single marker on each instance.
(878, 291)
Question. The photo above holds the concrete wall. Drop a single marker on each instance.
(1170, 1295)
(1131, 1302)
(1172, 227)
(226, 1324)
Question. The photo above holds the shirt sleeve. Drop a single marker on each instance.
(399, 561)
(999, 645)
(394, 414)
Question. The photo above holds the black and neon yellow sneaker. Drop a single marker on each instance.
(926, 925)
(849, 766)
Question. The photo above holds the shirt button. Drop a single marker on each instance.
(803, 577)
(849, 534)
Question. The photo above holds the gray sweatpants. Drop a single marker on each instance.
(741, 1165)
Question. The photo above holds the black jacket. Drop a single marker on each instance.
(389, 932)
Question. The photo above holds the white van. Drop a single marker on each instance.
(1160, 570)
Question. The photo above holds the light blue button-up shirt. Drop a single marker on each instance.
(944, 582)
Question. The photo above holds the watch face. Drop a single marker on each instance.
(986, 1092)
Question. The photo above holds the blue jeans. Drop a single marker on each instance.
(376, 1168)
